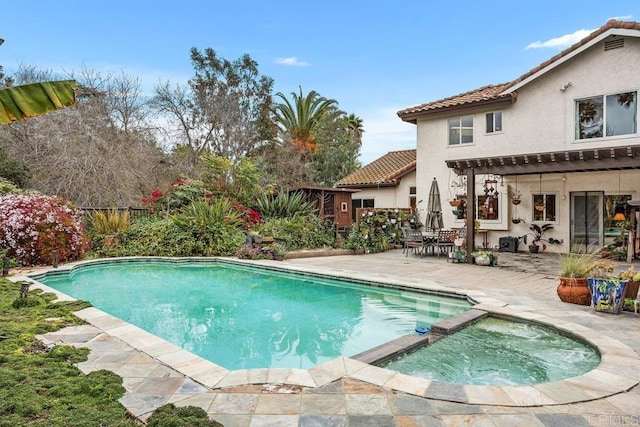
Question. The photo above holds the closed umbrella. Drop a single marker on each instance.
(434, 208)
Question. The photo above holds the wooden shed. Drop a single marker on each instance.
(332, 203)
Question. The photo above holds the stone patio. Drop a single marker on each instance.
(345, 392)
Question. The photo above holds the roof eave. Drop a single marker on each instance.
(369, 185)
(413, 117)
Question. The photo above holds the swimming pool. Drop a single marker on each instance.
(500, 352)
(244, 317)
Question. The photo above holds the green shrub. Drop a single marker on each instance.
(300, 232)
(215, 224)
(151, 236)
(284, 205)
(355, 239)
(170, 415)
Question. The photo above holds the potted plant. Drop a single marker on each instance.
(537, 231)
(484, 257)
(607, 289)
(573, 287)
(516, 220)
(516, 197)
(633, 282)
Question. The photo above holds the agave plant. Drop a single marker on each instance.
(284, 205)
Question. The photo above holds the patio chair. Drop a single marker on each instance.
(445, 242)
(413, 241)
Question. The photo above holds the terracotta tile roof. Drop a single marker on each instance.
(382, 171)
(496, 93)
(486, 93)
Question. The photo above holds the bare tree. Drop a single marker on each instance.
(100, 153)
(225, 110)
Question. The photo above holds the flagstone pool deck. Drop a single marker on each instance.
(346, 392)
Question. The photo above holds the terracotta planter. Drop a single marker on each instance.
(574, 290)
(454, 202)
(631, 290)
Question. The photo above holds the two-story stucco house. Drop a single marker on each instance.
(564, 135)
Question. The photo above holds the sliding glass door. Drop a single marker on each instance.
(586, 221)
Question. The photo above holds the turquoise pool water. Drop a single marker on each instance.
(500, 352)
(243, 317)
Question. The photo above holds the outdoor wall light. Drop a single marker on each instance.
(566, 86)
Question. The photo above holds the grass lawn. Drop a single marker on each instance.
(43, 388)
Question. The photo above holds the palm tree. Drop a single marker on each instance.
(301, 119)
(21, 102)
(354, 125)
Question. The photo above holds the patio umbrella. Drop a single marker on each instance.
(434, 208)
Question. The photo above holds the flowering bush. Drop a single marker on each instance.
(31, 226)
(250, 217)
(248, 252)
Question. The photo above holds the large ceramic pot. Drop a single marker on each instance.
(607, 294)
(574, 290)
(482, 260)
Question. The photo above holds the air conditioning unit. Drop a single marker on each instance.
(508, 244)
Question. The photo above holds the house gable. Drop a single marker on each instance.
(384, 171)
(491, 96)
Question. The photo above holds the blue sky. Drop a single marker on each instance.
(373, 57)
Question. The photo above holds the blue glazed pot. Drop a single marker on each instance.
(607, 294)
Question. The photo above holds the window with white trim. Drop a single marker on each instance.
(544, 207)
(494, 122)
(461, 130)
(412, 197)
(607, 115)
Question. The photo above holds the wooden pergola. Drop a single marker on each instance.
(579, 160)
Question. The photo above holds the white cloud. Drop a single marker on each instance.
(561, 42)
(384, 132)
(292, 60)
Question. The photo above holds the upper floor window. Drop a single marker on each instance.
(607, 115)
(461, 130)
(494, 121)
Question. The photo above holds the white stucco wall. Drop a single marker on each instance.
(390, 197)
(541, 120)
